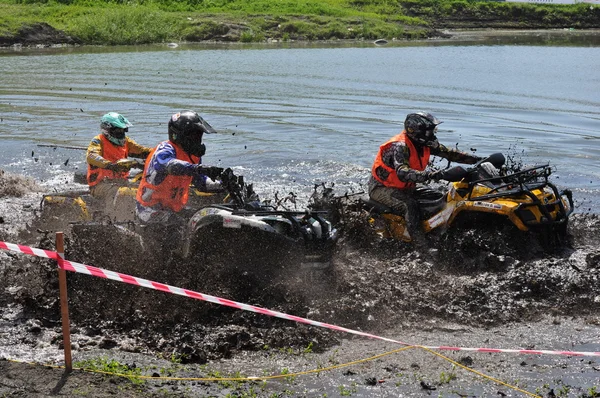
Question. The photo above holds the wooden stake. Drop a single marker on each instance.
(64, 304)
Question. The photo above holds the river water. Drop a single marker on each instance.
(290, 116)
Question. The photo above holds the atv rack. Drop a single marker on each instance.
(523, 183)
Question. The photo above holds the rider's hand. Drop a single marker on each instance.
(210, 171)
(437, 175)
(214, 172)
(118, 168)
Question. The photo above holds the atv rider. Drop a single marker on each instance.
(400, 165)
(170, 169)
(106, 156)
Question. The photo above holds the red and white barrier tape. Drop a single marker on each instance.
(103, 273)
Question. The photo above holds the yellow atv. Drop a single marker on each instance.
(77, 206)
(525, 198)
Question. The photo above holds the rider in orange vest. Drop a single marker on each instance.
(105, 173)
(400, 165)
(170, 169)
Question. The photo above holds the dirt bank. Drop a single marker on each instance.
(478, 287)
(40, 35)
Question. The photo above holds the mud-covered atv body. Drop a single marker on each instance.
(256, 235)
(232, 228)
(526, 199)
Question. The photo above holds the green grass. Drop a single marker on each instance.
(111, 366)
(154, 21)
(124, 25)
(497, 13)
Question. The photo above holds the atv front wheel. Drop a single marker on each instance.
(553, 237)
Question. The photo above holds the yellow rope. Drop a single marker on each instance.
(254, 378)
(479, 373)
(249, 378)
(280, 376)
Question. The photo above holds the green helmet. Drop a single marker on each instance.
(114, 126)
(114, 119)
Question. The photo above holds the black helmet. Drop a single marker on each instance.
(421, 128)
(186, 129)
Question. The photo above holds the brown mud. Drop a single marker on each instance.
(485, 286)
(38, 34)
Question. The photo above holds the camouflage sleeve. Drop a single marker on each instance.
(136, 150)
(454, 155)
(401, 156)
(94, 154)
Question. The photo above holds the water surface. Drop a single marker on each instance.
(289, 117)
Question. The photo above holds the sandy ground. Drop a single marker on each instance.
(476, 289)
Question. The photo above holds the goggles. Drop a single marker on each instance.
(118, 132)
(430, 133)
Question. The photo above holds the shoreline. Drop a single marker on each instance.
(160, 21)
(490, 32)
(446, 36)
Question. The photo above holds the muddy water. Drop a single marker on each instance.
(524, 299)
(293, 116)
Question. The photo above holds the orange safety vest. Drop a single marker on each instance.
(173, 191)
(110, 152)
(415, 161)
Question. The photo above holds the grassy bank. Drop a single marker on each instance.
(152, 21)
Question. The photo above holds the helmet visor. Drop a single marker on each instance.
(206, 128)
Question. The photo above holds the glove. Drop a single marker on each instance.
(210, 171)
(214, 172)
(437, 175)
(118, 168)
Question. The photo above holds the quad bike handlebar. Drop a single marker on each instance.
(497, 159)
(240, 194)
(459, 173)
(246, 201)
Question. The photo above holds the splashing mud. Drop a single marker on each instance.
(16, 186)
(470, 276)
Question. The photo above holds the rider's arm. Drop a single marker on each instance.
(136, 150)
(168, 160)
(94, 154)
(454, 155)
(165, 162)
(168, 163)
(401, 156)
